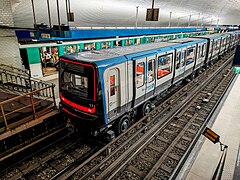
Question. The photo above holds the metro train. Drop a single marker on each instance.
(108, 88)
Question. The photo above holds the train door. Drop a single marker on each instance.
(113, 92)
(179, 66)
(150, 84)
(184, 53)
(190, 59)
(140, 79)
(210, 52)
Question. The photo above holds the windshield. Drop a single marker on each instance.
(77, 82)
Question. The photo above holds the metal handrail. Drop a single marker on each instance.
(32, 103)
(15, 70)
(22, 84)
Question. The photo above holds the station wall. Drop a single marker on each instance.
(9, 49)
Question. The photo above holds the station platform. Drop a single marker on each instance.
(206, 155)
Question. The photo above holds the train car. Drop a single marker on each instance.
(225, 43)
(198, 49)
(109, 87)
(235, 38)
(216, 46)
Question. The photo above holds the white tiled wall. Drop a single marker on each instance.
(9, 50)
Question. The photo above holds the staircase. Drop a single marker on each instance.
(22, 98)
(19, 81)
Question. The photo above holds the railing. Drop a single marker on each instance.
(22, 72)
(22, 83)
(32, 105)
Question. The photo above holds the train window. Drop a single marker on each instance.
(183, 57)
(210, 48)
(80, 81)
(151, 67)
(140, 69)
(190, 55)
(112, 85)
(199, 51)
(215, 46)
(77, 80)
(223, 42)
(178, 56)
(164, 65)
(203, 49)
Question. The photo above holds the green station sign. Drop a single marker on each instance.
(236, 69)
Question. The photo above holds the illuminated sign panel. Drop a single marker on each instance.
(236, 70)
(152, 14)
(212, 136)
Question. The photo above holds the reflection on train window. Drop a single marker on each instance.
(178, 56)
(164, 65)
(190, 55)
(112, 85)
(81, 81)
(76, 82)
(151, 67)
(140, 74)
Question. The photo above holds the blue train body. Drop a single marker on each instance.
(111, 86)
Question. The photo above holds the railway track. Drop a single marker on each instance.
(159, 142)
(119, 158)
(53, 159)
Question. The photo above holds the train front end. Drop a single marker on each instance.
(79, 101)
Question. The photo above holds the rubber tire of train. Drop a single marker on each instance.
(122, 124)
(146, 108)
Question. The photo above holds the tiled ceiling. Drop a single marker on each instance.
(122, 13)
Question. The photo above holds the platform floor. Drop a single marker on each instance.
(19, 108)
(205, 157)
